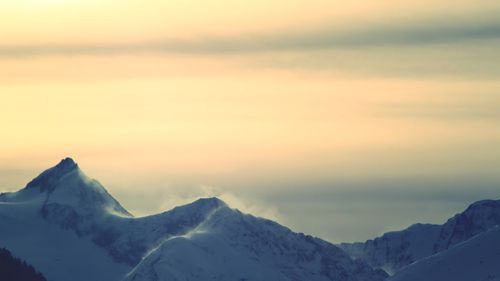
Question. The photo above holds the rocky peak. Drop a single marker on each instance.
(48, 179)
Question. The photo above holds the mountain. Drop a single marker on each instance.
(48, 223)
(395, 250)
(13, 269)
(230, 245)
(475, 259)
(70, 228)
(70, 198)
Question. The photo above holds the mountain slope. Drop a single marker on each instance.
(66, 185)
(230, 245)
(70, 228)
(395, 250)
(66, 197)
(475, 259)
(58, 253)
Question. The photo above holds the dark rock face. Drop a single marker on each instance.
(477, 218)
(395, 250)
(47, 180)
(66, 217)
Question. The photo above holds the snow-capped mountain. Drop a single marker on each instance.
(395, 250)
(477, 258)
(69, 228)
(230, 245)
(65, 186)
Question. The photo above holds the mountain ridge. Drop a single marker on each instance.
(47, 178)
(474, 259)
(80, 225)
(397, 249)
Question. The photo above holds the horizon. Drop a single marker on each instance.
(340, 120)
(236, 203)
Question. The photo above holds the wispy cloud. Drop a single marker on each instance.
(461, 107)
(397, 34)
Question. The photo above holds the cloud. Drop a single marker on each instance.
(397, 34)
(444, 47)
(460, 107)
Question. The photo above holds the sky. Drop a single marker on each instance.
(339, 119)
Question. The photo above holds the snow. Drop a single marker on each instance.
(69, 228)
(230, 245)
(476, 259)
(395, 250)
(64, 223)
(59, 254)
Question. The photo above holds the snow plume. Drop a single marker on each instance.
(177, 197)
(260, 209)
(162, 197)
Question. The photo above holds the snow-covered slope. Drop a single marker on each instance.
(41, 223)
(66, 197)
(230, 245)
(68, 193)
(395, 250)
(476, 259)
(129, 239)
(58, 253)
(70, 228)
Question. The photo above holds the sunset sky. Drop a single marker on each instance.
(341, 119)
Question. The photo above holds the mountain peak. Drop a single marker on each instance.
(213, 201)
(484, 204)
(50, 176)
(66, 185)
(66, 163)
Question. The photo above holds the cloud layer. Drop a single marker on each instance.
(329, 37)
